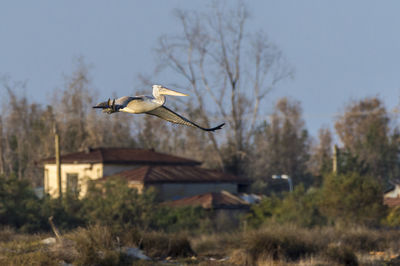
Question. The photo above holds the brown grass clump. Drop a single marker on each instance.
(20, 249)
(362, 239)
(282, 243)
(97, 246)
(161, 245)
(216, 245)
(341, 254)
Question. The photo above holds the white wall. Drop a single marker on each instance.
(84, 171)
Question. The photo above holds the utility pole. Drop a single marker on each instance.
(335, 158)
(58, 162)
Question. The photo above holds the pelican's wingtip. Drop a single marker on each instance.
(216, 128)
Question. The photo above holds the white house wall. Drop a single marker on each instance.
(84, 171)
(393, 193)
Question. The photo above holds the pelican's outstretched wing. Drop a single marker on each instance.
(169, 115)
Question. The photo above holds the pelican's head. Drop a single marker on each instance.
(161, 90)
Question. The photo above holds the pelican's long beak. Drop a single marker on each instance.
(108, 106)
(167, 91)
(102, 105)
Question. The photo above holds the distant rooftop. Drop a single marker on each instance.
(122, 156)
(212, 200)
(391, 202)
(177, 174)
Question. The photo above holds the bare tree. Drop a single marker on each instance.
(228, 70)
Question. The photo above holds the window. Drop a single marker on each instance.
(46, 181)
(72, 183)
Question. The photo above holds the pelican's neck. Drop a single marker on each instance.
(160, 99)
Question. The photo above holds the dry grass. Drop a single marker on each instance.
(216, 245)
(273, 245)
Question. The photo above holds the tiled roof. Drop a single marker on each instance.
(392, 202)
(123, 156)
(177, 174)
(212, 200)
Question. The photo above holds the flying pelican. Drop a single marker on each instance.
(152, 105)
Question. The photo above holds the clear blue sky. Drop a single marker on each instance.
(341, 50)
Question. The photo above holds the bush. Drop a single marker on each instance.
(341, 254)
(299, 207)
(194, 219)
(19, 206)
(96, 245)
(284, 243)
(161, 245)
(352, 198)
(393, 217)
(117, 205)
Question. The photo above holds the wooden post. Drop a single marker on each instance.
(335, 159)
(58, 162)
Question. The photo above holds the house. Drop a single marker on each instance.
(391, 196)
(179, 181)
(226, 209)
(222, 200)
(172, 176)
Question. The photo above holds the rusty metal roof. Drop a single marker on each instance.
(211, 200)
(178, 174)
(392, 202)
(123, 156)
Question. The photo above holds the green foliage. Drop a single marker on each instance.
(19, 205)
(299, 207)
(393, 218)
(67, 213)
(352, 198)
(177, 219)
(263, 211)
(115, 204)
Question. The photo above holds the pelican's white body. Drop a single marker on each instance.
(141, 104)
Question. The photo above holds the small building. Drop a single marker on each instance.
(179, 181)
(77, 168)
(174, 177)
(225, 208)
(222, 200)
(391, 196)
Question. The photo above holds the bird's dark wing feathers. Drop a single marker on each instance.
(169, 115)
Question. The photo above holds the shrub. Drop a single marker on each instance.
(278, 243)
(96, 245)
(117, 205)
(341, 254)
(299, 207)
(19, 206)
(352, 198)
(194, 219)
(161, 245)
(393, 217)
